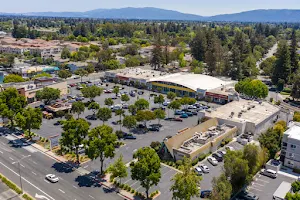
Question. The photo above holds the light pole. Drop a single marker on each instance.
(20, 171)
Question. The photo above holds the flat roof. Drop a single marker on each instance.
(251, 111)
(137, 73)
(294, 131)
(193, 81)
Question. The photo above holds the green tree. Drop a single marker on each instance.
(90, 69)
(108, 102)
(48, 94)
(141, 104)
(294, 53)
(64, 74)
(160, 99)
(65, 53)
(94, 106)
(159, 114)
(104, 114)
(146, 169)
(73, 135)
(296, 87)
(186, 184)
(236, 69)
(91, 92)
(296, 186)
(268, 66)
(251, 154)
(116, 90)
(271, 140)
(144, 116)
(187, 101)
(11, 103)
(101, 144)
(175, 105)
(28, 119)
(157, 57)
(199, 46)
(81, 72)
(236, 169)
(171, 95)
(221, 188)
(13, 78)
(60, 113)
(78, 108)
(249, 67)
(120, 112)
(118, 169)
(129, 122)
(44, 74)
(132, 109)
(252, 88)
(125, 98)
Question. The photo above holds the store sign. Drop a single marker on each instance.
(214, 95)
(54, 141)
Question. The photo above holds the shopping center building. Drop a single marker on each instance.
(183, 84)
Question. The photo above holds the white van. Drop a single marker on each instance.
(270, 173)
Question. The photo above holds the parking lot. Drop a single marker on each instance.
(264, 187)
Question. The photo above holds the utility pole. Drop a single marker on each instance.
(20, 171)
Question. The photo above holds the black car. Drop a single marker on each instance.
(91, 117)
(205, 193)
(154, 128)
(141, 126)
(218, 157)
(130, 137)
(57, 123)
(140, 92)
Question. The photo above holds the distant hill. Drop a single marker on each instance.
(284, 15)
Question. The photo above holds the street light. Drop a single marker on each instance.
(20, 171)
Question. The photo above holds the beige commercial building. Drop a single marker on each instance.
(201, 139)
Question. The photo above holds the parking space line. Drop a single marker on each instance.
(91, 197)
(46, 181)
(255, 189)
(34, 173)
(61, 191)
(127, 181)
(1, 152)
(258, 184)
(75, 187)
(22, 165)
(11, 158)
(262, 180)
(133, 183)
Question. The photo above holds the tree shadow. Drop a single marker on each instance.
(62, 167)
(87, 181)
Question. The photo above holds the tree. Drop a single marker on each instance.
(199, 46)
(268, 66)
(132, 109)
(129, 122)
(146, 169)
(271, 140)
(221, 188)
(28, 119)
(78, 107)
(186, 184)
(91, 92)
(94, 106)
(144, 116)
(13, 78)
(81, 72)
(157, 57)
(249, 67)
(125, 97)
(90, 69)
(294, 53)
(141, 104)
(73, 135)
(282, 68)
(64, 74)
(236, 169)
(174, 105)
(251, 154)
(104, 114)
(116, 90)
(11, 103)
(159, 114)
(171, 95)
(187, 101)
(252, 88)
(65, 53)
(236, 70)
(101, 144)
(120, 112)
(159, 99)
(43, 74)
(118, 169)
(60, 113)
(48, 94)
(108, 102)
(296, 87)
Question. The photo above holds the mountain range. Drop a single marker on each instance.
(150, 13)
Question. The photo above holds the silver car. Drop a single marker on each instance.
(52, 178)
(204, 168)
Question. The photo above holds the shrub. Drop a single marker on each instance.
(132, 191)
(296, 186)
(27, 197)
(120, 134)
(296, 170)
(287, 90)
(179, 162)
(11, 185)
(202, 157)
(271, 99)
(195, 161)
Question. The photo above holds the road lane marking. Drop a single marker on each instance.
(34, 173)
(27, 181)
(85, 166)
(3, 143)
(11, 158)
(1, 152)
(133, 184)
(34, 162)
(46, 181)
(22, 165)
(61, 191)
(91, 197)
(75, 187)
(127, 181)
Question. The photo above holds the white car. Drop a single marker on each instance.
(223, 153)
(192, 107)
(198, 171)
(204, 168)
(52, 178)
(166, 103)
(229, 148)
(212, 161)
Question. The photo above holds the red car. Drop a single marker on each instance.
(178, 119)
(73, 85)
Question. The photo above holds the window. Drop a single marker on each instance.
(293, 146)
(290, 163)
(284, 144)
(291, 155)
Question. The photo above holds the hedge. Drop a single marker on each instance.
(27, 197)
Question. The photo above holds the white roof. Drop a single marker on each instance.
(193, 81)
(294, 131)
(282, 190)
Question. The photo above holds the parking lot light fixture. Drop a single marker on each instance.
(20, 171)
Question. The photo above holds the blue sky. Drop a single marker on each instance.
(201, 7)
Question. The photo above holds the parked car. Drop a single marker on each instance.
(57, 123)
(154, 128)
(184, 115)
(198, 171)
(177, 119)
(107, 91)
(223, 153)
(191, 107)
(52, 178)
(205, 193)
(269, 173)
(178, 112)
(141, 126)
(125, 106)
(166, 103)
(204, 168)
(189, 113)
(129, 137)
(247, 196)
(218, 157)
(140, 92)
(91, 117)
(158, 125)
(169, 118)
(229, 148)
(212, 161)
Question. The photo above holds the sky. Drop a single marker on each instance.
(200, 7)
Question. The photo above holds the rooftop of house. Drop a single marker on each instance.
(243, 111)
(293, 132)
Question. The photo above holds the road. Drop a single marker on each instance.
(270, 53)
(34, 168)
